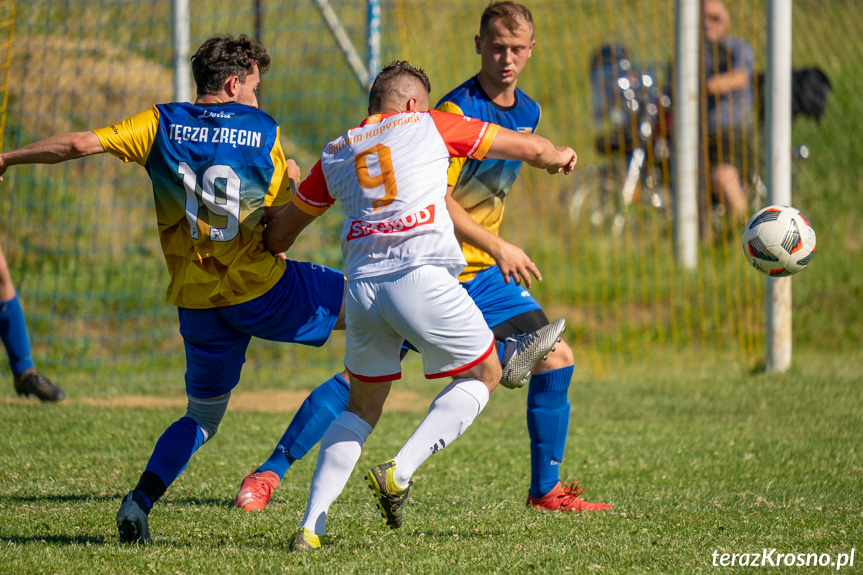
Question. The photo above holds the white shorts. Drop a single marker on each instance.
(426, 306)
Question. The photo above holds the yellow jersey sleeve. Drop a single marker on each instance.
(279, 192)
(455, 164)
(131, 140)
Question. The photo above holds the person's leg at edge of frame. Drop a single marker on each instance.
(13, 328)
(548, 410)
(16, 341)
(13, 332)
(341, 447)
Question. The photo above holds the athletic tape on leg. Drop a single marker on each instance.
(207, 413)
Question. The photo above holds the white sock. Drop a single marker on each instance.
(451, 412)
(340, 450)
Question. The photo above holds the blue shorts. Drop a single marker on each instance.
(302, 307)
(497, 300)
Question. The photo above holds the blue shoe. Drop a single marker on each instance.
(132, 520)
(524, 351)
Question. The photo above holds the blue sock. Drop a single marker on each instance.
(174, 450)
(547, 424)
(307, 427)
(13, 332)
(143, 500)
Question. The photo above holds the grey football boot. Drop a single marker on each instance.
(132, 522)
(522, 352)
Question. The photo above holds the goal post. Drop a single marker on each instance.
(778, 107)
(7, 35)
(688, 24)
(182, 51)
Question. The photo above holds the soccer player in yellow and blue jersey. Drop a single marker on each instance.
(498, 274)
(218, 174)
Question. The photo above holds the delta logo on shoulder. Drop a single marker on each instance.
(209, 114)
(360, 229)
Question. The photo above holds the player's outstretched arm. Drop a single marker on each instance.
(282, 231)
(532, 149)
(53, 150)
(290, 179)
(510, 259)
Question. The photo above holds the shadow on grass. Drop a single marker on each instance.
(460, 534)
(56, 540)
(259, 541)
(60, 499)
(57, 499)
(198, 502)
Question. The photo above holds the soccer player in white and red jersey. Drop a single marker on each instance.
(497, 277)
(401, 262)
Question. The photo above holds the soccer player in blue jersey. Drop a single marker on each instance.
(218, 173)
(494, 275)
(13, 332)
(498, 274)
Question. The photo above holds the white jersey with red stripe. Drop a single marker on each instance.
(390, 175)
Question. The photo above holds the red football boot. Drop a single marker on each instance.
(256, 490)
(565, 498)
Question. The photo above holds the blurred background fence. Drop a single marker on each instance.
(83, 249)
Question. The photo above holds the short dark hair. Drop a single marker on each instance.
(390, 79)
(222, 56)
(512, 14)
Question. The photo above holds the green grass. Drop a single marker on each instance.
(673, 420)
(695, 459)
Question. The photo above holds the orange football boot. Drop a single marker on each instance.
(565, 498)
(256, 490)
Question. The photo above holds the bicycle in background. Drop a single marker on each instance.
(632, 116)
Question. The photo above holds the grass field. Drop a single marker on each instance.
(697, 449)
(695, 460)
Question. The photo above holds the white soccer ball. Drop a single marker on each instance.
(778, 241)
